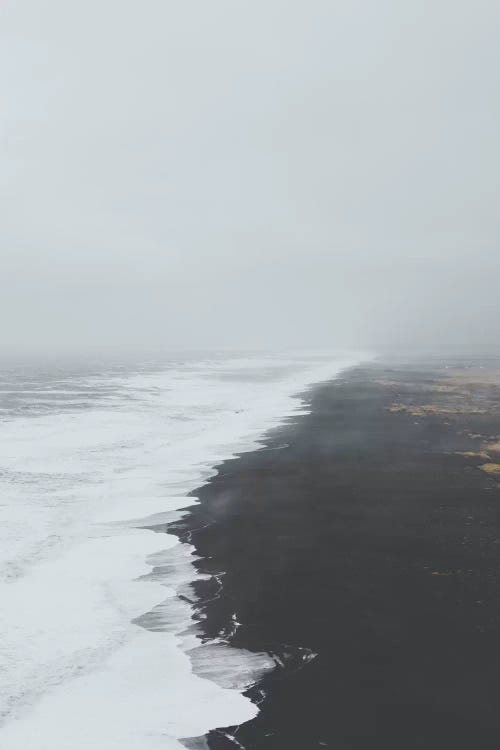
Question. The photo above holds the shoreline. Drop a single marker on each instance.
(358, 547)
(106, 615)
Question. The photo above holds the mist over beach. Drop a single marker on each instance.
(234, 175)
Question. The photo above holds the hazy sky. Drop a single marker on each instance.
(224, 173)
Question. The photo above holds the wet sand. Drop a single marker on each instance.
(365, 534)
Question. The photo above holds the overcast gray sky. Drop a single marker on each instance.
(224, 173)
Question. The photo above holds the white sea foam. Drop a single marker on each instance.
(94, 643)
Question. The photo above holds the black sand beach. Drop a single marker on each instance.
(363, 534)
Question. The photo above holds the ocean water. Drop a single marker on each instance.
(97, 645)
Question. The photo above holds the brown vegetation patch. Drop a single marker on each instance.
(471, 376)
(475, 454)
(424, 410)
(441, 573)
(490, 468)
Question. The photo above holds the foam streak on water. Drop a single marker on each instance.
(93, 644)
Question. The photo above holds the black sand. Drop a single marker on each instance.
(372, 542)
